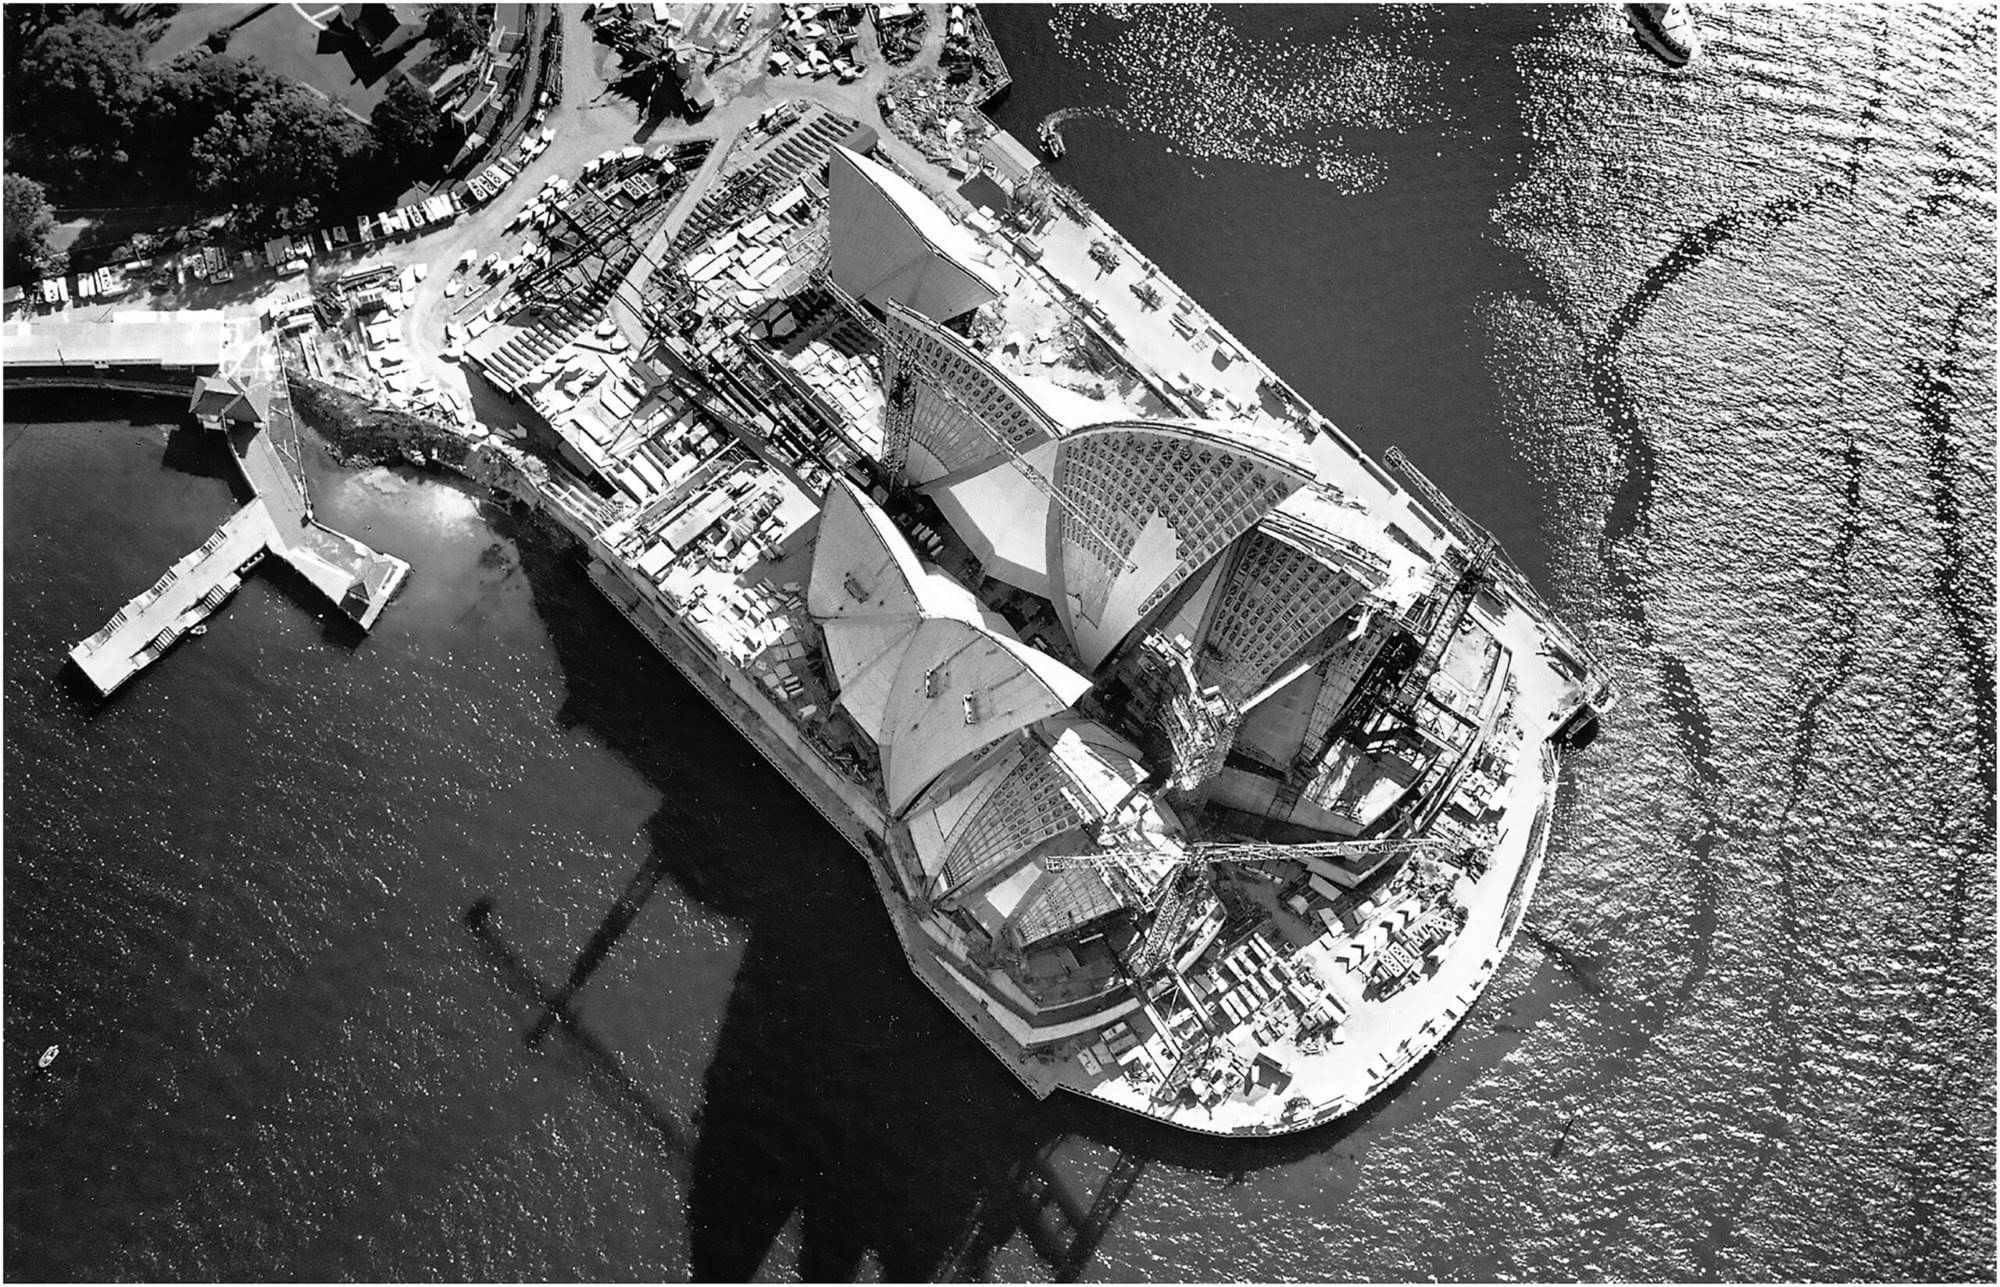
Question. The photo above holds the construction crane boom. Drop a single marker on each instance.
(1475, 537)
(1206, 853)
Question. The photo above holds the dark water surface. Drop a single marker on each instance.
(1712, 352)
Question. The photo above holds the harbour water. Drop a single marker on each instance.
(1711, 351)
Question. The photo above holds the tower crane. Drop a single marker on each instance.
(1203, 853)
(1182, 888)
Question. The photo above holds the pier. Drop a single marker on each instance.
(237, 390)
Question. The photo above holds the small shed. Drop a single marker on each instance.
(1011, 159)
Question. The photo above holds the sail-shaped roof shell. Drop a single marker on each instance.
(920, 668)
(891, 242)
(1144, 504)
(961, 687)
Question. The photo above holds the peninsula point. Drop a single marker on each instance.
(1203, 768)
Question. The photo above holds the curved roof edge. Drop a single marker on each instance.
(1156, 559)
(1277, 450)
(1298, 529)
(916, 319)
(856, 537)
(931, 225)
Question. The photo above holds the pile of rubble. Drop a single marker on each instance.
(970, 57)
(900, 29)
(933, 115)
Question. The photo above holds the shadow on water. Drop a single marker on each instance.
(32, 406)
(198, 453)
(336, 628)
(604, 1065)
(841, 1096)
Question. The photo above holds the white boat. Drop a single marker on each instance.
(48, 1056)
(1667, 30)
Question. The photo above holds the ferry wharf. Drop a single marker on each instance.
(237, 389)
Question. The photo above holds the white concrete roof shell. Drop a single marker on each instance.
(931, 829)
(857, 540)
(890, 241)
(866, 655)
(889, 623)
(1004, 518)
(1010, 684)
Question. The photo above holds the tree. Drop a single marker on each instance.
(409, 129)
(456, 30)
(24, 22)
(188, 99)
(80, 84)
(28, 223)
(283, 160)
(312, 150)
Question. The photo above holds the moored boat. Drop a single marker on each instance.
(1667, 30)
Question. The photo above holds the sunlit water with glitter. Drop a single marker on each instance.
(1712, 351)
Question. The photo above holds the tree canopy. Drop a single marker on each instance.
(81, 84)
(412, 132)
(456, 29)
(85, 115)
(28, 222)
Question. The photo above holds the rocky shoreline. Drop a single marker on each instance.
(359, 432)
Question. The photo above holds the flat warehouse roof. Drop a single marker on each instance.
(192, 337)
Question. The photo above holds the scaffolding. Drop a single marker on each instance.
(1204, 853)
(1199, 721)
(1187, 888)
(895, 445)
(1500, 568)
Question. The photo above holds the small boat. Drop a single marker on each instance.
(1665, 29)
(48, 1056)
(1051, 140)
(198, 630)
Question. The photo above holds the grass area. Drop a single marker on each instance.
(280, 37)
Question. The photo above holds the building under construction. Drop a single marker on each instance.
(1204, 768)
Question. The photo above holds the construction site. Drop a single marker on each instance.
(1202, 765)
